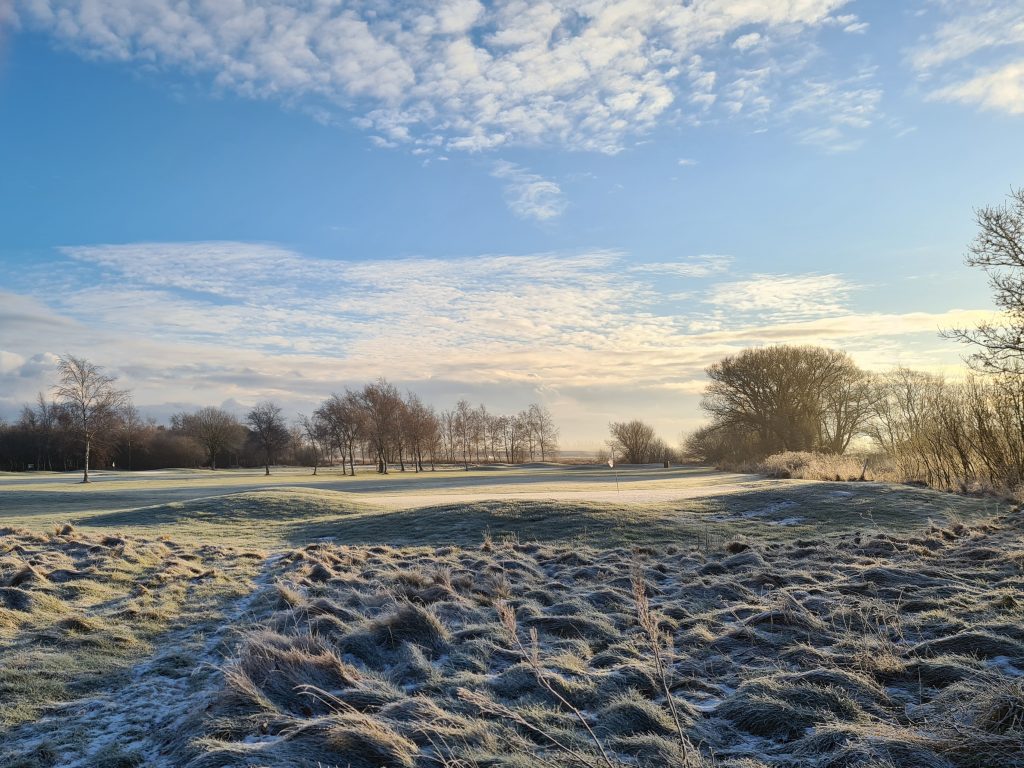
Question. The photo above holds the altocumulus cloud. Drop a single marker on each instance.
(217, 321)
(458, 74)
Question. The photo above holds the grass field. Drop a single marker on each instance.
(509, 617)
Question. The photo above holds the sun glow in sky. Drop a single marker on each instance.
(577, 203)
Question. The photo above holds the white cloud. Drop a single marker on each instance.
(974, 57)
(457, 74)
(197, 323)
(1000, 89)
(529, 195)
(783, 296)
(747, 41)
(10, 361)
(687, 161)
(848, 107)
(705, 265)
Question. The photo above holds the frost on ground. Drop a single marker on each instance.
(98, 633)
(831, 652)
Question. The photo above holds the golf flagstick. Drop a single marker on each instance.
(611, 463)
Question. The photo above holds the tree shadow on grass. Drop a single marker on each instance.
(792, 510)
(524, 520)
(266, 506)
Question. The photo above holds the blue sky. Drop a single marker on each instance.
(580, 203)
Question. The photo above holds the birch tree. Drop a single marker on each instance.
(90, 401)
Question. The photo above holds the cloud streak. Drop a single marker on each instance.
(211, 322)
(974, 56)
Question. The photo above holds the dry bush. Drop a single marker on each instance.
(804, 465)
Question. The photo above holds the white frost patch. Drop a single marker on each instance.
(1006, 666)
(763, 514)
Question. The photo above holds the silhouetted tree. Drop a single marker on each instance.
(269, 429)
(131, 422)
(381, 405)
(788, 398)
(542, 428)
(317, 434)
(998, 250)
(634, 441)
(216, 430)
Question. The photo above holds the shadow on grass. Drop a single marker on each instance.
(265, 506)
(533, 520)
(791, 509)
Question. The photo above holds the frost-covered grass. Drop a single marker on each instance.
(77, 609)
(682, 504)
(790, 624)
(869, 650)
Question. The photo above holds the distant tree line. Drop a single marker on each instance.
(89, 423)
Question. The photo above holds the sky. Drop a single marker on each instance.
(581, 204)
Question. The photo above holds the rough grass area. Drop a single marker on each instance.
(77, 609)
(853, 650)
(784, 624)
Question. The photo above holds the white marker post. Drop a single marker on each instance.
(611, 463)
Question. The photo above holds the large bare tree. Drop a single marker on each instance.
(381, 406)
(544, 431)
(90, 401)
(634, 441)
(269, 429)
(998, 249)
(216, 430)
(788, 398)
(344, 419)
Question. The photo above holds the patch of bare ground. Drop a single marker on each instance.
(832, 652)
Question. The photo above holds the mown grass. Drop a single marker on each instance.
(286, 516)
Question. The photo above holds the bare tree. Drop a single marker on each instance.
(89, 399)
(343, 417)
(317, 434)
(421, 428)
(634, 441)
(464, 429)
(381, 405)
(131, 422)
(998, 250)
(216, 430)
(787, 398)
(544, 431)
(269, 429)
